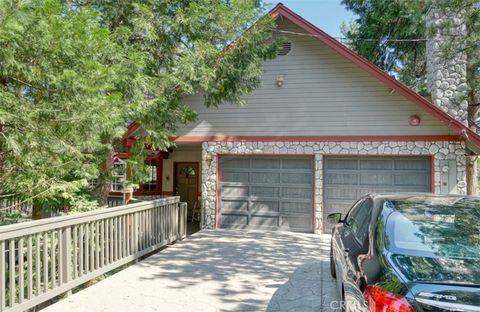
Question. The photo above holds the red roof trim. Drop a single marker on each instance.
(397, 138)
(462, 130)
(134, 126)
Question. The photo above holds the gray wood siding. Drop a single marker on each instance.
(324, 94)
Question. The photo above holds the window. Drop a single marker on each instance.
(359, 219)
(150, 182)
(119, 175)
(353, 211)
(187, 172)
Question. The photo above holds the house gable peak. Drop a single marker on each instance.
(467, 134)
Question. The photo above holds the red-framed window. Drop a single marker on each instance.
(152, 180)
(152, 183)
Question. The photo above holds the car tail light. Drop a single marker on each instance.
(379, 300)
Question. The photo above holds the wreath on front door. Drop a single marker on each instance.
(187, 172)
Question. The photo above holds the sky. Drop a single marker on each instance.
(327, 15)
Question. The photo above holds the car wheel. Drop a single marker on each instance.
(332, 264)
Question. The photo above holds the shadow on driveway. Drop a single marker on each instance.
(218, 270)
(309, 288)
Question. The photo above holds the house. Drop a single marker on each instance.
(325, 128)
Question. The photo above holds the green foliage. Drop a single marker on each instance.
(74, 74)
(405, 19)
(57, 94)
(7, 218)
(183, 44)
(212, 47)
(83, 203)
(386, 20)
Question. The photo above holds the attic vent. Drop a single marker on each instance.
(285, 48)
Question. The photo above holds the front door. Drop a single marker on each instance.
(186, 183)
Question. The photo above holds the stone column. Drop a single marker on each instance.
(209, 186)
(318, 198)
(446, 71)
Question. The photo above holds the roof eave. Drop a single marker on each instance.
(400, 88)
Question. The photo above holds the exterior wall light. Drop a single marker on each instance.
(280, 81)
(209, 157)
(414, 120)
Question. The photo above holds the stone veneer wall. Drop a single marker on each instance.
(447, 74)
(440, 151)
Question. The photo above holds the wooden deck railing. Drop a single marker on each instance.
(46, 258)
(10, 203)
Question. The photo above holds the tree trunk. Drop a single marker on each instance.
(37, 210)
(471, 161)
(103, 186)
(471, 173)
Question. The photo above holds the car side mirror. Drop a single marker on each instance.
(334, 218)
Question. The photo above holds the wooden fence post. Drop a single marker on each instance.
(3, 279)
(66, 256)
(182, 220)
(135, 232)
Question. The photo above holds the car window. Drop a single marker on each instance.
(438, 228)
(358, 219)
(353, 211)
(435, 239)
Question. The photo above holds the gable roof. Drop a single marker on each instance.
(463, 131)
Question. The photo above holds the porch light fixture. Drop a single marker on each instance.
(414, 120)
(209, 157)
(280, 81)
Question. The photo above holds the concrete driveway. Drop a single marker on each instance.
(220, 270)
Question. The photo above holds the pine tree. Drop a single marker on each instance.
(74, 74)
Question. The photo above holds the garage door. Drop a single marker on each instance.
(266, 193)
(347, 179)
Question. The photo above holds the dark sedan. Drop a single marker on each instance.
(408, 252)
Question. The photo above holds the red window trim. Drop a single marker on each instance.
(158, 186)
